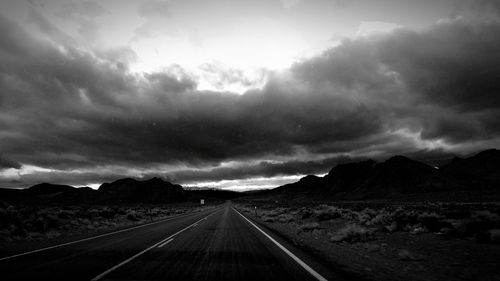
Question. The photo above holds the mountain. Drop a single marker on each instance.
(122, 191)
(47, 189)
(307, 186)
(345, 177)
(402, 177)
(49, 194)
(399, 176)
(395, 177)
(474, 178)
(482, 168)
(129, 190)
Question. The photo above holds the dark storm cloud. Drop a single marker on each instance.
(64, 108)
(6, 163)
(442, 81)
(483, 9)
(454, 68)
(72, 109)
(454, 64)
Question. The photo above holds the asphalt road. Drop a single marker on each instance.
(217, 244)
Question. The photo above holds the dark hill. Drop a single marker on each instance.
(346, 177)
(308, 186)
(48, 188)
(129, 190)
(397, 177)
(48, 194)
(122, 191)
(401, 177)
(482, 168)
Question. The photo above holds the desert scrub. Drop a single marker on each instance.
(433, 222)
(383, 217)
(133, 215)
(481, 225)
(494, 235)
(36, 223)
(267, 219)
(352, 233)
(285, 218)
(274, 212)
(305, 213)
(325, 212)
(308, 227)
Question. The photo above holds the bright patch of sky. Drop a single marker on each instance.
(251, 37)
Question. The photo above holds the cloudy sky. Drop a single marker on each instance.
(240, 94)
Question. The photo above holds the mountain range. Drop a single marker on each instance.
(122, 191)
(470, 179)
(400, 177)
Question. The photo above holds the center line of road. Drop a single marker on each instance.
(294, 257)
(165, 243)
(100, 276)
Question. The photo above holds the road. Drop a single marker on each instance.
(216, 244)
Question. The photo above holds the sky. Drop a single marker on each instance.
(241, 94)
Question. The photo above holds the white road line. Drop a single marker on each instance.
(89, 238)
(98, 277)
(165, 243)
(294, 257)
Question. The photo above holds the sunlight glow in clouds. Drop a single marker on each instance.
(251, 48)
(416, 139)
(247, 184)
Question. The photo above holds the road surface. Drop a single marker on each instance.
(216, 244)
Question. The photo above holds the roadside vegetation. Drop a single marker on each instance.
(429, 241)
(29, 223)
(351, 225)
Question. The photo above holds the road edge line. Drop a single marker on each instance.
(290, 254)
(98, 277)
(90, 238)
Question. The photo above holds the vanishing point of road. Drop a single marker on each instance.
(215, 244)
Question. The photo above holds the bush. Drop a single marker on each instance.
(275, 212)
(382, 217)
(18, 231)
(327, 213)
(132, 216)
(352, 233)
(432, 221)
(285, 218)
(267, 219)
(308, 227)
(495, 236)
(63, 215)
(305, 213)
(107, 213)
(478, 224)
